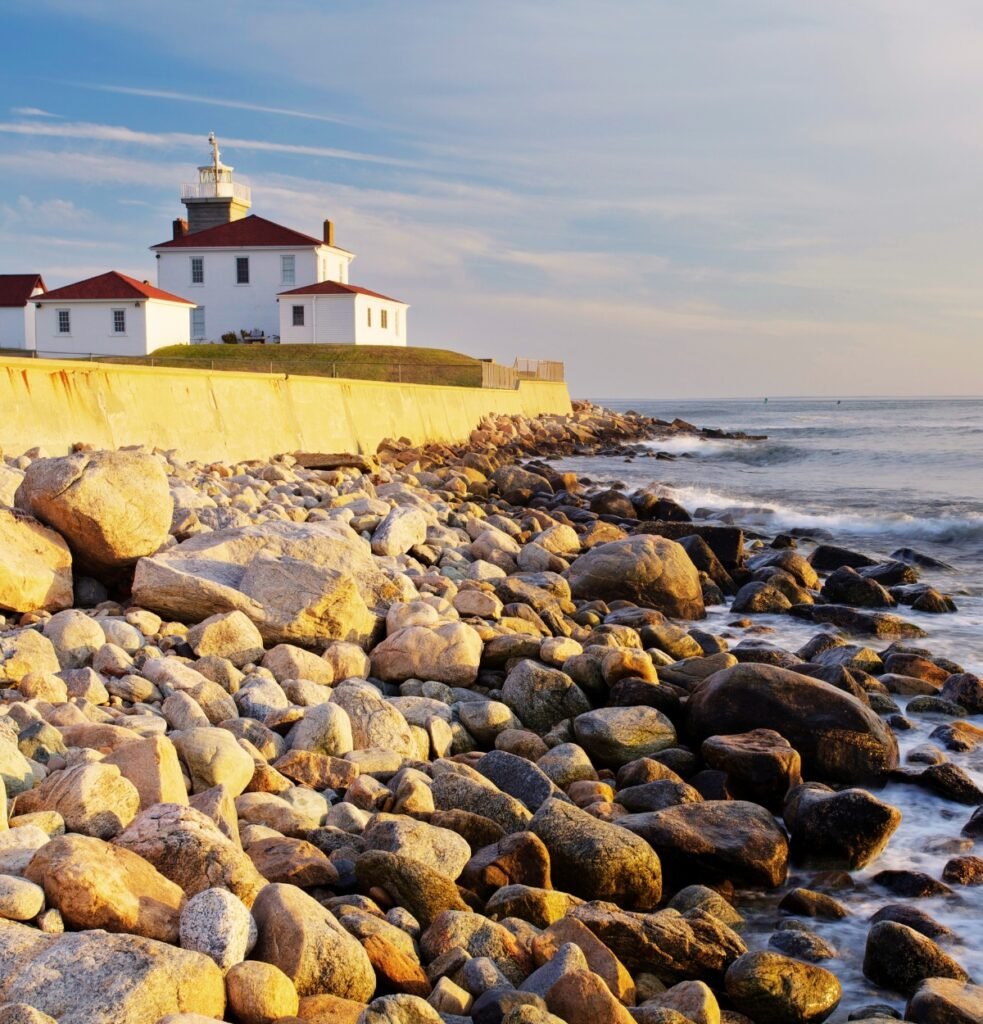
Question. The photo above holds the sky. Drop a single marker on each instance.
(677, 198)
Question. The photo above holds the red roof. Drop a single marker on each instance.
(250, 232)
(16, 289)
(109, 286)
(337, 288)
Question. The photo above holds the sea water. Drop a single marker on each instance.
(873, 475)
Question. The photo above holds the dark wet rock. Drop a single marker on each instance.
(974, 827)
(761, 598)
(761, 765)
(790, 561)
(652, 506)
(808, 903)
(847, 586)
(598, 860)
(934, 603)
(421, 889)
(612, 503)
(872, 1010)
(656, 796)
(701, 897)
(959, 737)
(837, 737)
(761, 652)
(950, 781)
(458, 792)
(802, 943)
(966, 870)
(912, 917)
(857, 622)
(644, 693)
(704, 558)
(719, 840)
(912, 557)
(618, 736)
(966, 689)
(946, 1001)
(665, 943)
(890, 574)
(828, 557)
(899, 958)
(848, 829)
(775, 989)
(928, 705)
(913, 884)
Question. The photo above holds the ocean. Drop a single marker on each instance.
(874, 475)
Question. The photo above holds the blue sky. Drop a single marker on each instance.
(678, 198)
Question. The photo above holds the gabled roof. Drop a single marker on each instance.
(17, 289)
(337, 288)
(249, 232)
(110, 286)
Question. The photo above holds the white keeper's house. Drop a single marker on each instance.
(110, 315)
(17, 293)
(234, 265)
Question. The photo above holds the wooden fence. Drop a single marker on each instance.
(495, 375)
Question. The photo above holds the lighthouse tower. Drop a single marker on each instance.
(215, 198)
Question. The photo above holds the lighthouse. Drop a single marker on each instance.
(215, 198)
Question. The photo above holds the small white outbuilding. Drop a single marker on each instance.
(110, 315)
(334, 313)
(17, 292)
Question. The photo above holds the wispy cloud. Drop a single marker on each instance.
(32, 112)
(215, 101)
(129, 136)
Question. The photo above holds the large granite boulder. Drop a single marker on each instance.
(838, 738)
(36, 568)
(298, 582)
(651, 571)
(448, 653)
(111, 507)
(92, 977)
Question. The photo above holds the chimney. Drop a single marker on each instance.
(179, 228)
(328, 233)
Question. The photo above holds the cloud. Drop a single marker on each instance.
(129, 136)
(212, 101)
(32, 112)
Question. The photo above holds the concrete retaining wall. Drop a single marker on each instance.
(224, 415)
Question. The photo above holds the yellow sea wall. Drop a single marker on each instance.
(212, 415)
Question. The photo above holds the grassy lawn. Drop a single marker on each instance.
(362, 362)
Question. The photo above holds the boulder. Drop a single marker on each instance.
(649, 570)
(152, 766)
(439, 848)
(945, 1001)
(24, 652)
(403, 528)
(188, 847)
(542, 697)
(212, 756)
(97, 885)
(230, 635)
(448, 653)
(847, 829)
(837, 737)
(218, 924)
(899, 958)
(36, 568)
(761, 765)
(306, 582)
(20, 900)
(94, 799)
(666, 944)
(308, 944)
(374, 721)
(774, 989)
(260, 993)
(111, 507)
(92, 977)
(618, 736)
(721, 840)
(597, 860)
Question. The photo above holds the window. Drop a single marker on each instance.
(369, 311)
(198, 322)
(242, 270)
(64, 321)
(288, 269)
(397, 323)
(197, 269)
(298, 316)
(119, 321)
(383, 318)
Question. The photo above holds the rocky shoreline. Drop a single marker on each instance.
(436, 735)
